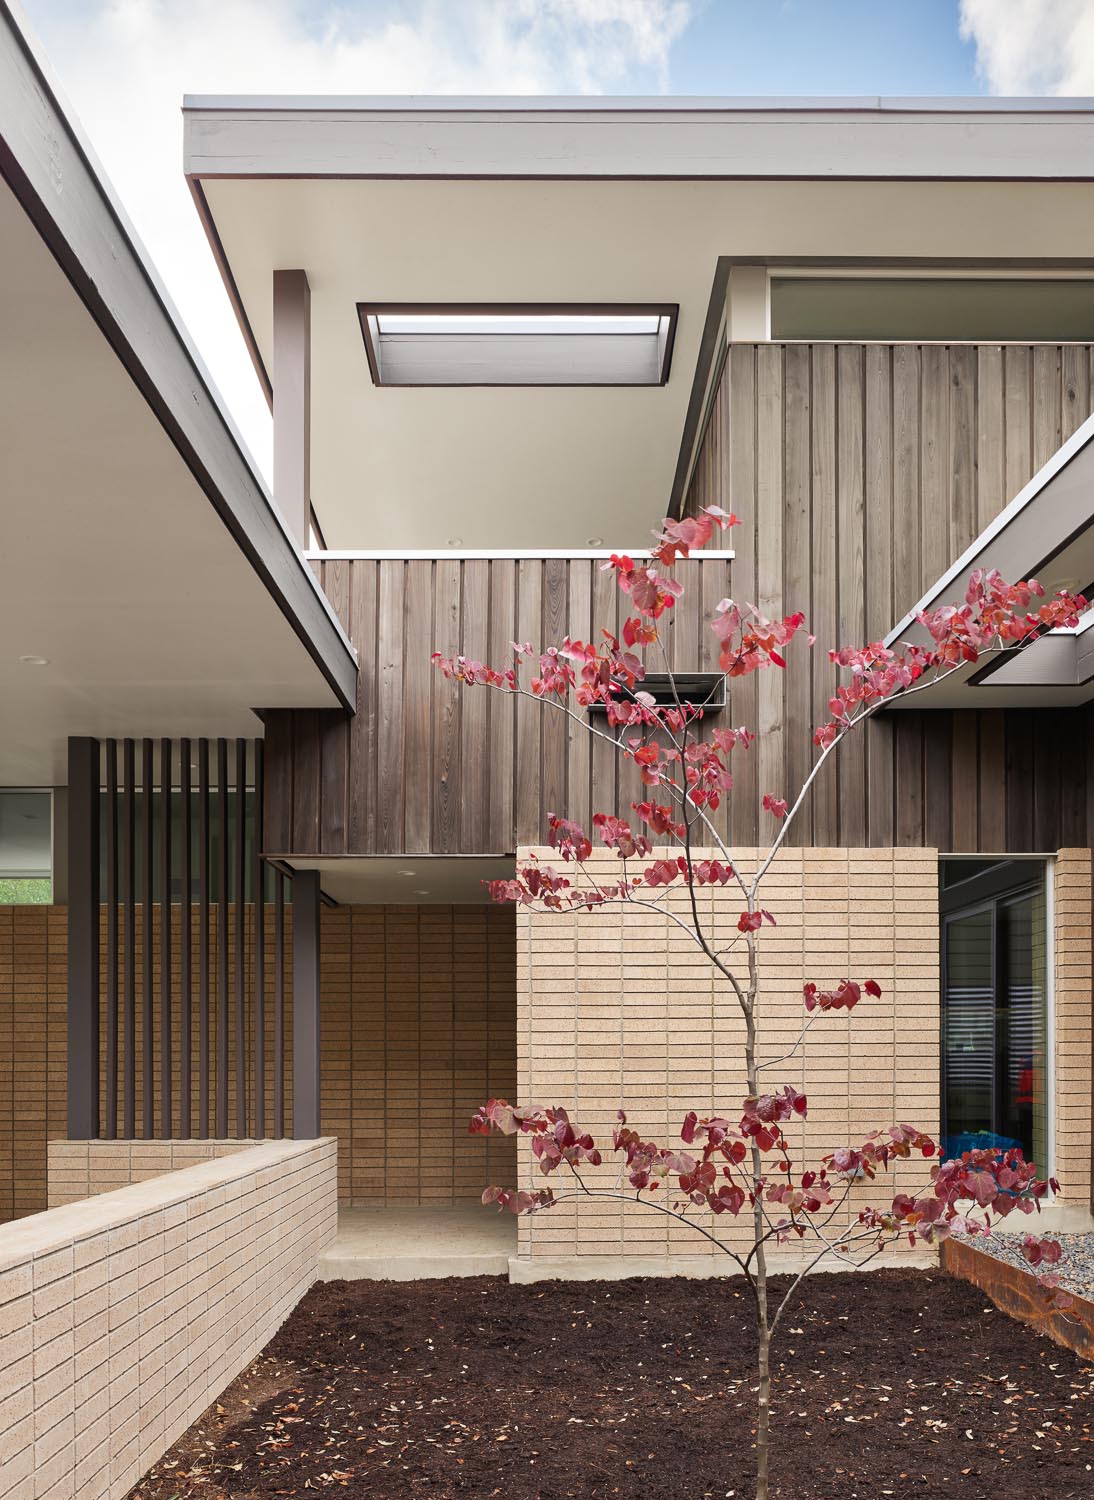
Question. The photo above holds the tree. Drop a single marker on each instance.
(739, 1162)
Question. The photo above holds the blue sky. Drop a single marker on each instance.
(125, 65)
(825, 47)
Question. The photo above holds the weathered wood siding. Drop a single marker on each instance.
(427, 766)
(860, 472)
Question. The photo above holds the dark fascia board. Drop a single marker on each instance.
(52, 171)
(367, 310)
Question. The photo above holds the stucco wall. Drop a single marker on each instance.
(122, 1317)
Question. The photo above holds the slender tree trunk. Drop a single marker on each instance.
(763, 1333)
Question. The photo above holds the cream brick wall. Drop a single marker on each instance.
(1072, 901)
(122, 1317)
(657, 1033)
(80, 1169)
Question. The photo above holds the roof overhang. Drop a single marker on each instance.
(563, 201)
(143, 559)
(1046, 533)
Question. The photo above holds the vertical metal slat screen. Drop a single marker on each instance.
(191, 1024)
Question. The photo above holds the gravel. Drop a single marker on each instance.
(1075, 1267)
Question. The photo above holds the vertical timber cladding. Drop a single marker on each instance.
(179, 941)
(860, 472)
(426, 766)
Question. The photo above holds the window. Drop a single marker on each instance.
(995, 1007)
(933, 308)
(26, 848)
(705, 690)
(520, 345)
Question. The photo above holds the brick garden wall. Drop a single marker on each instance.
(123, 1317)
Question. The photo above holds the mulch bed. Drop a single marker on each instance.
(888, 1383)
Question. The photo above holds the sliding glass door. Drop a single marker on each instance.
(995, 1006)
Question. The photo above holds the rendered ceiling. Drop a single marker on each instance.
(553, 467)
(115, 566)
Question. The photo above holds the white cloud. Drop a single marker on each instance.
(1032, 46)
(125, 65)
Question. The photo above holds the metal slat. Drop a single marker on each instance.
(259, 964)
(240, 938)
(147, 1055)
(129, 953)
(83, 939)
(110, 1113)
(185, 922)
(203, 938)
(279, 1006)
(223, 871)
(166, 1049)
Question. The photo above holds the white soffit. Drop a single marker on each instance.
(115, 567)
(627, 202)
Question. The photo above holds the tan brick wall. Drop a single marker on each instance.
(656, 1034)
(80, 1169)
(418, 1028)
(33, 1042)
(1072, 901)
(33, 1037)
(122, 1318)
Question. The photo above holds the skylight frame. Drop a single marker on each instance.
(666, 313)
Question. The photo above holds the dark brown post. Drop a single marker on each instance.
(129, 952)
(241, 938)
(110, 1113)
(220, 1126)
(305, 1004)
(185, 916)
(83, 939)
(279, 1005)
(258, 947)
(148, 1117)
(292, 400)
(166, 1050)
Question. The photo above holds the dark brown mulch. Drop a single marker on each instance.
(891, 1383)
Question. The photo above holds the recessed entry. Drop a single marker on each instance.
(521, 344)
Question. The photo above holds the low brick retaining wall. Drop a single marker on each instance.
(80, 1169)
(124, 1315)
(1017, 1293)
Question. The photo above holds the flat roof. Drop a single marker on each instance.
(940, 104)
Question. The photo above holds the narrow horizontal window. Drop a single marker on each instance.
(705, 690)
(933, 309)
(517, 345)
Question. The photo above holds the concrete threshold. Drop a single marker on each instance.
(414, 1244)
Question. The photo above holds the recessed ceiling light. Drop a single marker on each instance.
(517, 344)
(408, 872)
(455, 541)
(594, 541)
(35, 661)
(421, 893)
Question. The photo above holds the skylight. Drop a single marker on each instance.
(518, 345)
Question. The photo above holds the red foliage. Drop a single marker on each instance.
(722, 1166)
